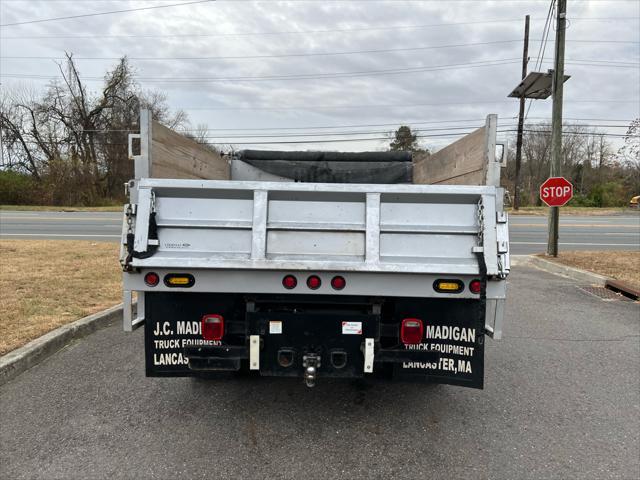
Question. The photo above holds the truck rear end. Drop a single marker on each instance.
(314, 280)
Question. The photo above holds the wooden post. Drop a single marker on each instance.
(525, 60)
(556, 122)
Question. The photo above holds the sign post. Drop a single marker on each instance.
(555, 192)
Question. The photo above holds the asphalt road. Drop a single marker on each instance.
(528, 233)
(562, 400)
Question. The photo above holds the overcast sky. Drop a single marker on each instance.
(449, 90)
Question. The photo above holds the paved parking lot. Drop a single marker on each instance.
(562, 400)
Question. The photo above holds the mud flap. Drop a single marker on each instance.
(172, 330)
(454, 332)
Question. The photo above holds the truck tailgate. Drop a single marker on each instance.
(341, 227)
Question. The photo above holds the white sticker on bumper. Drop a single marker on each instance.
(275, 327)
(352, 328)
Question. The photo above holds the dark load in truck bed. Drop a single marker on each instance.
(333, 167)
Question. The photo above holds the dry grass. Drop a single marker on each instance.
(589, 211)
(622, 265)
(47, 283)
(49, 208)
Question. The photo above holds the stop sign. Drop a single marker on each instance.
(556, 191)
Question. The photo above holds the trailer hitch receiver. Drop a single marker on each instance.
(311, 363)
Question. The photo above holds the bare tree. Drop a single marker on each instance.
(75, 141)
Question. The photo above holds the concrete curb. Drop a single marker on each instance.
(14, 363)
(562, 270)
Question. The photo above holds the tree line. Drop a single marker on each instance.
(67, 145)
(602, 175)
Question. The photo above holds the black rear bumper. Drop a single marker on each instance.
(229, 358)
(452, 350)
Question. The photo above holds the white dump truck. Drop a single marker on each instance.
(315, 264)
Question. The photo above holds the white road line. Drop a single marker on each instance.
(564, 234)
(60, 219)
(55, 235)
(587, 244)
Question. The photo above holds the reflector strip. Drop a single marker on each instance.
(368, 355)
(254, 352)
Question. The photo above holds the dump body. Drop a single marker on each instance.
(315, 279)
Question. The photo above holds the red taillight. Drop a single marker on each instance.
(475, 286)
(314, 282)
(289, 282)
(151, 279)
(411, 331)
(212, 327)
(338, 283)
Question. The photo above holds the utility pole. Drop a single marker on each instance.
(525, 60)
(556, 121)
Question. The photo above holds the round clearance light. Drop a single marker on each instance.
(338, 282)
(289, 282)
(152, 279)
(314, 282)
(475, 286)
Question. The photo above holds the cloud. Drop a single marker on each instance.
(430, 96)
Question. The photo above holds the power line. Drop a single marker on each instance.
(600, 64)
(447, 131)
(318, 76)
(629, 120)
(302, 32)
(285, 32)
(396, 105)
(343, 140)
(298, 54)
(111, 12)
(360, 139)
(543, 46)
(444, 131)
(306, 76)
(408, 122)
(357, 132)
(283, 55)
(320, 127)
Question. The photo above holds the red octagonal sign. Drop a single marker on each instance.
(556, 191)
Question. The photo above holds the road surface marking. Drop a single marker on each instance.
(576, 225)
(600, 234)
(55, 235)
(577, 243)
(73, 219)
